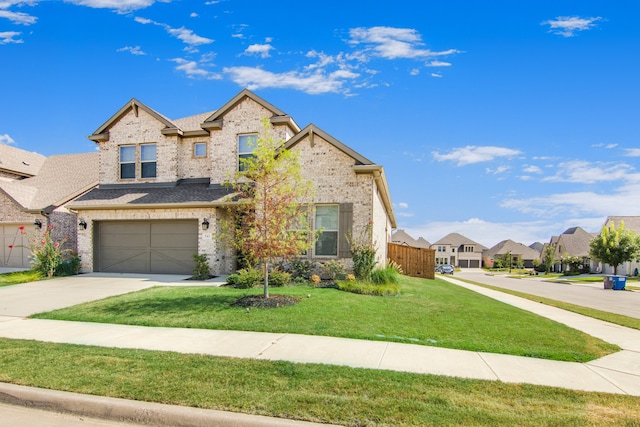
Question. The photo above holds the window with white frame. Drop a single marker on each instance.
(127, 162)
(246, 145)
(327, 220)
(148, 161)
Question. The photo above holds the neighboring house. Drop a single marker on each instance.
(537, 246)
(517, 251)
(161, 195)
(459, 251)
(573, 242)
(36, 198)
(630, 223)
(401, 237)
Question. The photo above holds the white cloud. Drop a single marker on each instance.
(392, 43)
(436, 75)
(134, 50)
(472, 154)
(122, 6)
(193, 15)
(312, 83)
(531, 169)
(6, 139)
(403, 205)
(632, 152)
(259, 49)
(497, 171)
(438, 64)
(185, 35)
(193, 70)
(17, 17)
(7, 37)
(579, 171)
(414, 72)
(567, 26)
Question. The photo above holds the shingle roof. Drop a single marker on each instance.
(60, 179)
(402, 237)
(183, 193)
(20, 162)
(192, 122)
(457, 239)
(515, 248)
(630, 222)
(574, 242)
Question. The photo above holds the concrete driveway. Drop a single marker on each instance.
(46, 295)
(592, 295)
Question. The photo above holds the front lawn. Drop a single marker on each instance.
(428, 312)
(18, 277)
(320, 393)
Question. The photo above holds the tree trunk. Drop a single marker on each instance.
(266, 279)
(615, 270)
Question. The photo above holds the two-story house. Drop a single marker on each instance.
(459, 251)
(161, 195)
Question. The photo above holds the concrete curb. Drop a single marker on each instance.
(130, 411)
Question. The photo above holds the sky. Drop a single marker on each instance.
(497, 119)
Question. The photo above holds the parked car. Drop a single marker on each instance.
(438, 268)
(447, 269)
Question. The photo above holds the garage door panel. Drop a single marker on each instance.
(18, 256)
(163, 247)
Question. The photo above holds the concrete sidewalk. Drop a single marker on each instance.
(617, 373)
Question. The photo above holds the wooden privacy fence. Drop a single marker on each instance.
(415, 262)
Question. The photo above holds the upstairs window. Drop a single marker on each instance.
(128, 162)
(148, 161)
(246, 145)
(200, 149)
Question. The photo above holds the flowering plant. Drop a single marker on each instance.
(47, 254)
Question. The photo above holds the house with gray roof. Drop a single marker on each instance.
(161, 197)
(572, 242)
(401, 237)
(459, 251)
(521, 255)
(34, 194)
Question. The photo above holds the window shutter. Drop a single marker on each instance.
(345, 227)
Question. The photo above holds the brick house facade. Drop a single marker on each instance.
(161, 197)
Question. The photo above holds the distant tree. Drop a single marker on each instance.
(548, 257)
(271, 217)
(615, 246)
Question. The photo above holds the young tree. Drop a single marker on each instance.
(548, 257)
(615, 246)
(271, 221)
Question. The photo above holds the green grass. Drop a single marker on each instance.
(18, 277)
(428, 312)
(318, 393)
(618, 319)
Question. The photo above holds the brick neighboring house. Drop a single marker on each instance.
(34, 193)
(459, 251)
(518, 252)
(161, 198)
(572, 242)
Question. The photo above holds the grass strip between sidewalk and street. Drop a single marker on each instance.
(618, 319)
(17, 277)
(312, 392)
(427, 312)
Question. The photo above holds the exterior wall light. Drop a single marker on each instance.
(83, 224)
(37, 223)
(205, 224)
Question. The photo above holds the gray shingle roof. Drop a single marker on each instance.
(183, 193)
(514, 248)
(574, 242)
(457, 239)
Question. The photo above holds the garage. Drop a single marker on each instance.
(156, 247)
(15, 251)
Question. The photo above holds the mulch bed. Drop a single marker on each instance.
(259, 301)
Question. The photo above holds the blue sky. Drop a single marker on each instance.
(497, 120)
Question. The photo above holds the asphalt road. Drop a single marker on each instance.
(591, 295)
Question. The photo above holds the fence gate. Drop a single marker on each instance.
(415, 262)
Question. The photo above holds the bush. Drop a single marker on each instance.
(69, 267)
(298, 268)
(279, 278)
(333, 269)
(202, 270)
(383, 276)
(368, 288)
(245, 278)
